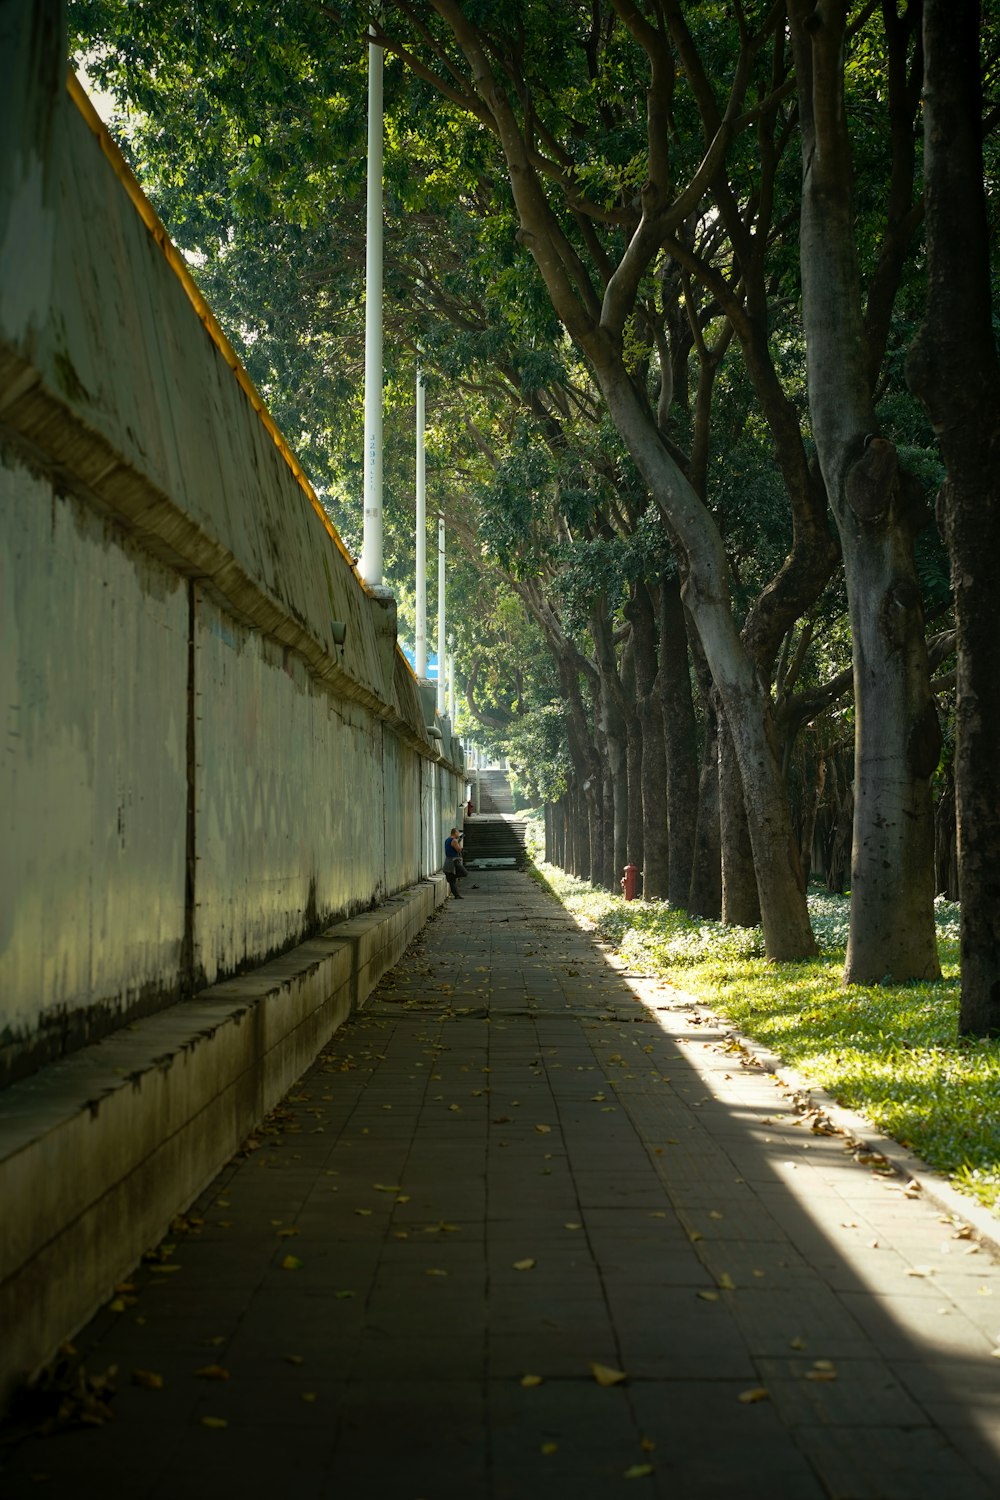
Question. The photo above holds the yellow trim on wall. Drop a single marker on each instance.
(177, 264)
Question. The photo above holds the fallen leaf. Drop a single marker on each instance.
(343, 1296)
(543, 1129)
(291, 1263)
(147, 1380)
(435, 1271)
(214, 1422)
(572, 1226)
(647, 1445)
(287, 1234)
(709, 1296)
(549, 1448)
(638, 1471)
(713, 1213)
(797, 1343)
(381, 1187)
(726, 1282)
(756, 1393)
(365, 1213)
(212, 1372)
(528, 1381)
(524, 1265)
(606, 1375)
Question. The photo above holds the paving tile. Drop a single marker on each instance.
(891, 1463)
(722, 1249)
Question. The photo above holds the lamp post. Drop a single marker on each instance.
(421, 641)
(442, 644)
(371, 550)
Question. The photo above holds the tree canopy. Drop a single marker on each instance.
(664, 353)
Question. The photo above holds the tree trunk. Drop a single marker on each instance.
(897, 738)
(953, 367)
(633, 751)
(838, 861)
(705, 895)
(654, 762)
(597, 327)
(740, 903)
(946, 841)
(612, 736)
(810, 811)
(681, 739)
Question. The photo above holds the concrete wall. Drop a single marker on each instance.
(93, 778)
(218, 822)
(195, 775)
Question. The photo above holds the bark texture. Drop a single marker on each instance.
(653, 770)
(953, 367)
(897, 738)
(681, 740)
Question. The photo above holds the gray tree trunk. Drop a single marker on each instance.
(896, 733)
(681, 738)
(740, 903)
(705, 896)
(953, 367)
(653, 770)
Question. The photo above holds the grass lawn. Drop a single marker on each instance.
(889, 1051)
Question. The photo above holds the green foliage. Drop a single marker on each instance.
(250, 137)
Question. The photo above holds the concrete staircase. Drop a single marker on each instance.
(494, 837)
(494, 793)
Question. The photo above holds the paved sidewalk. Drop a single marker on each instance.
(513, 1178)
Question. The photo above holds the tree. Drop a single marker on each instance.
(494, 88)
(897, 739)
(953, 367)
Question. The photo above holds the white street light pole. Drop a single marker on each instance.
(421, 642)
(371, 551)
(442, 644)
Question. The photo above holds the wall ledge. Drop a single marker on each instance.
(100, 1150)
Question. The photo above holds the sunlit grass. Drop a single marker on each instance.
(890, 1051)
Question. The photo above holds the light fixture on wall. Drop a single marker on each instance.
(338, 629)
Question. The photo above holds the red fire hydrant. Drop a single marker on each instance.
(630, 882)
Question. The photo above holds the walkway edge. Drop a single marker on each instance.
(100, 1151)
(935, 1187)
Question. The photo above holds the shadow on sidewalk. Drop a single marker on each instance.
(520, 1232)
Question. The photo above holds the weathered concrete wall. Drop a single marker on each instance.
(198, 771)
(196, 774)
(93, 778)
